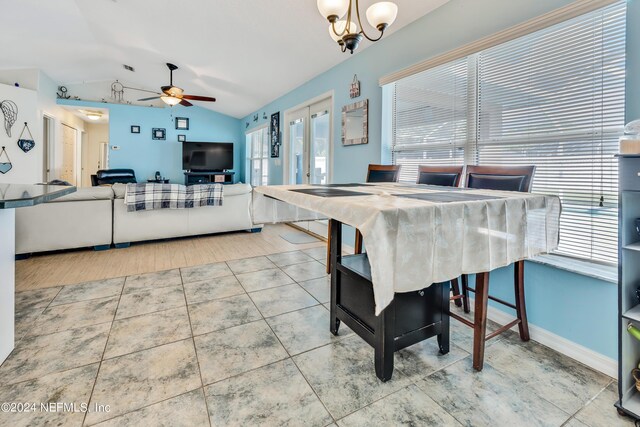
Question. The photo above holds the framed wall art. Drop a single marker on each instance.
(182, 123)
(355, 128)
(135, 129)
(159, 133)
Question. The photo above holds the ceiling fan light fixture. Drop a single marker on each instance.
(170, 100)
(333, 9)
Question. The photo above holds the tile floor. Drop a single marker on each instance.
(246, 342)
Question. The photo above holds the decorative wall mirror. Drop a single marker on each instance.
(355, 128)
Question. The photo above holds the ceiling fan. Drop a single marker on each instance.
(173, 95)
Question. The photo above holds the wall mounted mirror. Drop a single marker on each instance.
(355, 129)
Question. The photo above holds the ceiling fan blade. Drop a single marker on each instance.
(149, 99)
(186, 103)
(199, 98)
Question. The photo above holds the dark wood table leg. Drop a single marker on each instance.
(521, 308)
(329, 248)
(480, 319)
(465, 292)
(335, 227)
(443, 336)
(384, 345)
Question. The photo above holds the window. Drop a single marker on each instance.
(553, 98)
(258, 156)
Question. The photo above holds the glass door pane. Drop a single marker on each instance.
(319, 150)
(297, 150)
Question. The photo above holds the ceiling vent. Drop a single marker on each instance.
(128, 67)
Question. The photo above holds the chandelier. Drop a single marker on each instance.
(345, 31)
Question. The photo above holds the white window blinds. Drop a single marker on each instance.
(430, 118)
(553, 98)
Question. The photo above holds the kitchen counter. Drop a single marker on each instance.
(14, 196)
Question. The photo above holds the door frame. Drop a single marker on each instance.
(48, 146)
(327, 96)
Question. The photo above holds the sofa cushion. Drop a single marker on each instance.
(87, 193)
(229, 190)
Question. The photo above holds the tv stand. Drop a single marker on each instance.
(191, 178)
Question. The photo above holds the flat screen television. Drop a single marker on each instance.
(207, 156)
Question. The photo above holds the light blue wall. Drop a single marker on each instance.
(145, 155)
(578, 308)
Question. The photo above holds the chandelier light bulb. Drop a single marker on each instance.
(382, 14)
(333, 9)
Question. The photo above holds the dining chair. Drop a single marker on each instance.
(375, 173)
(504, 178)
(446, 176)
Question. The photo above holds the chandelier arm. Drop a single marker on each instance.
(362, 27)
(333, 28)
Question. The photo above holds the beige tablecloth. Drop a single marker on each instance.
(413, 243)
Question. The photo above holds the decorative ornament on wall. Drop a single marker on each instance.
(62, 93)
(26, 144)
(135, 129)
(264, 116)
(354, 89)
(182, 138)
(117, 91)
(10, 112)
(255, 117)
(5, 165)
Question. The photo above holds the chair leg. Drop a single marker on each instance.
(455, 288)
(358, 244)
(480, 319)
(465, 293)
(521, 309)
(329, 248)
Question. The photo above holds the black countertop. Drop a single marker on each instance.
(21, 195)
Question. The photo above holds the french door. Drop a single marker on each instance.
(308, 154)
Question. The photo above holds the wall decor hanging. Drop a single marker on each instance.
(5, 166)
(255, 117)
(182, 138)
(26, 144)
(182, 123)
(274, 129)
(10, 112)
(159, 133)
(354, 89)
(135, 129)
(355, 128)
(264, 116)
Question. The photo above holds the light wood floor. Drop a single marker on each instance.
(65, 268)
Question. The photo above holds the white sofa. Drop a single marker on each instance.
(98, 217)
(233, 215)
(77, 220)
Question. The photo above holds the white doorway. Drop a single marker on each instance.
(48, 130)
(95, 141)
(69, 151)
(308, 144)
(308, 150)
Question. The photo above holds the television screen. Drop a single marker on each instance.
(207, 156)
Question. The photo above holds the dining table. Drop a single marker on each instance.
(417, 239)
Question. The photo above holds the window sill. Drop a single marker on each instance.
(607, 273)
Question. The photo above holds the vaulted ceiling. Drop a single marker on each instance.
(243, 52)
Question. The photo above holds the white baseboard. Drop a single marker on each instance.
(592, 359)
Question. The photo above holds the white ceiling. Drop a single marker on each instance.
(246, 53)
